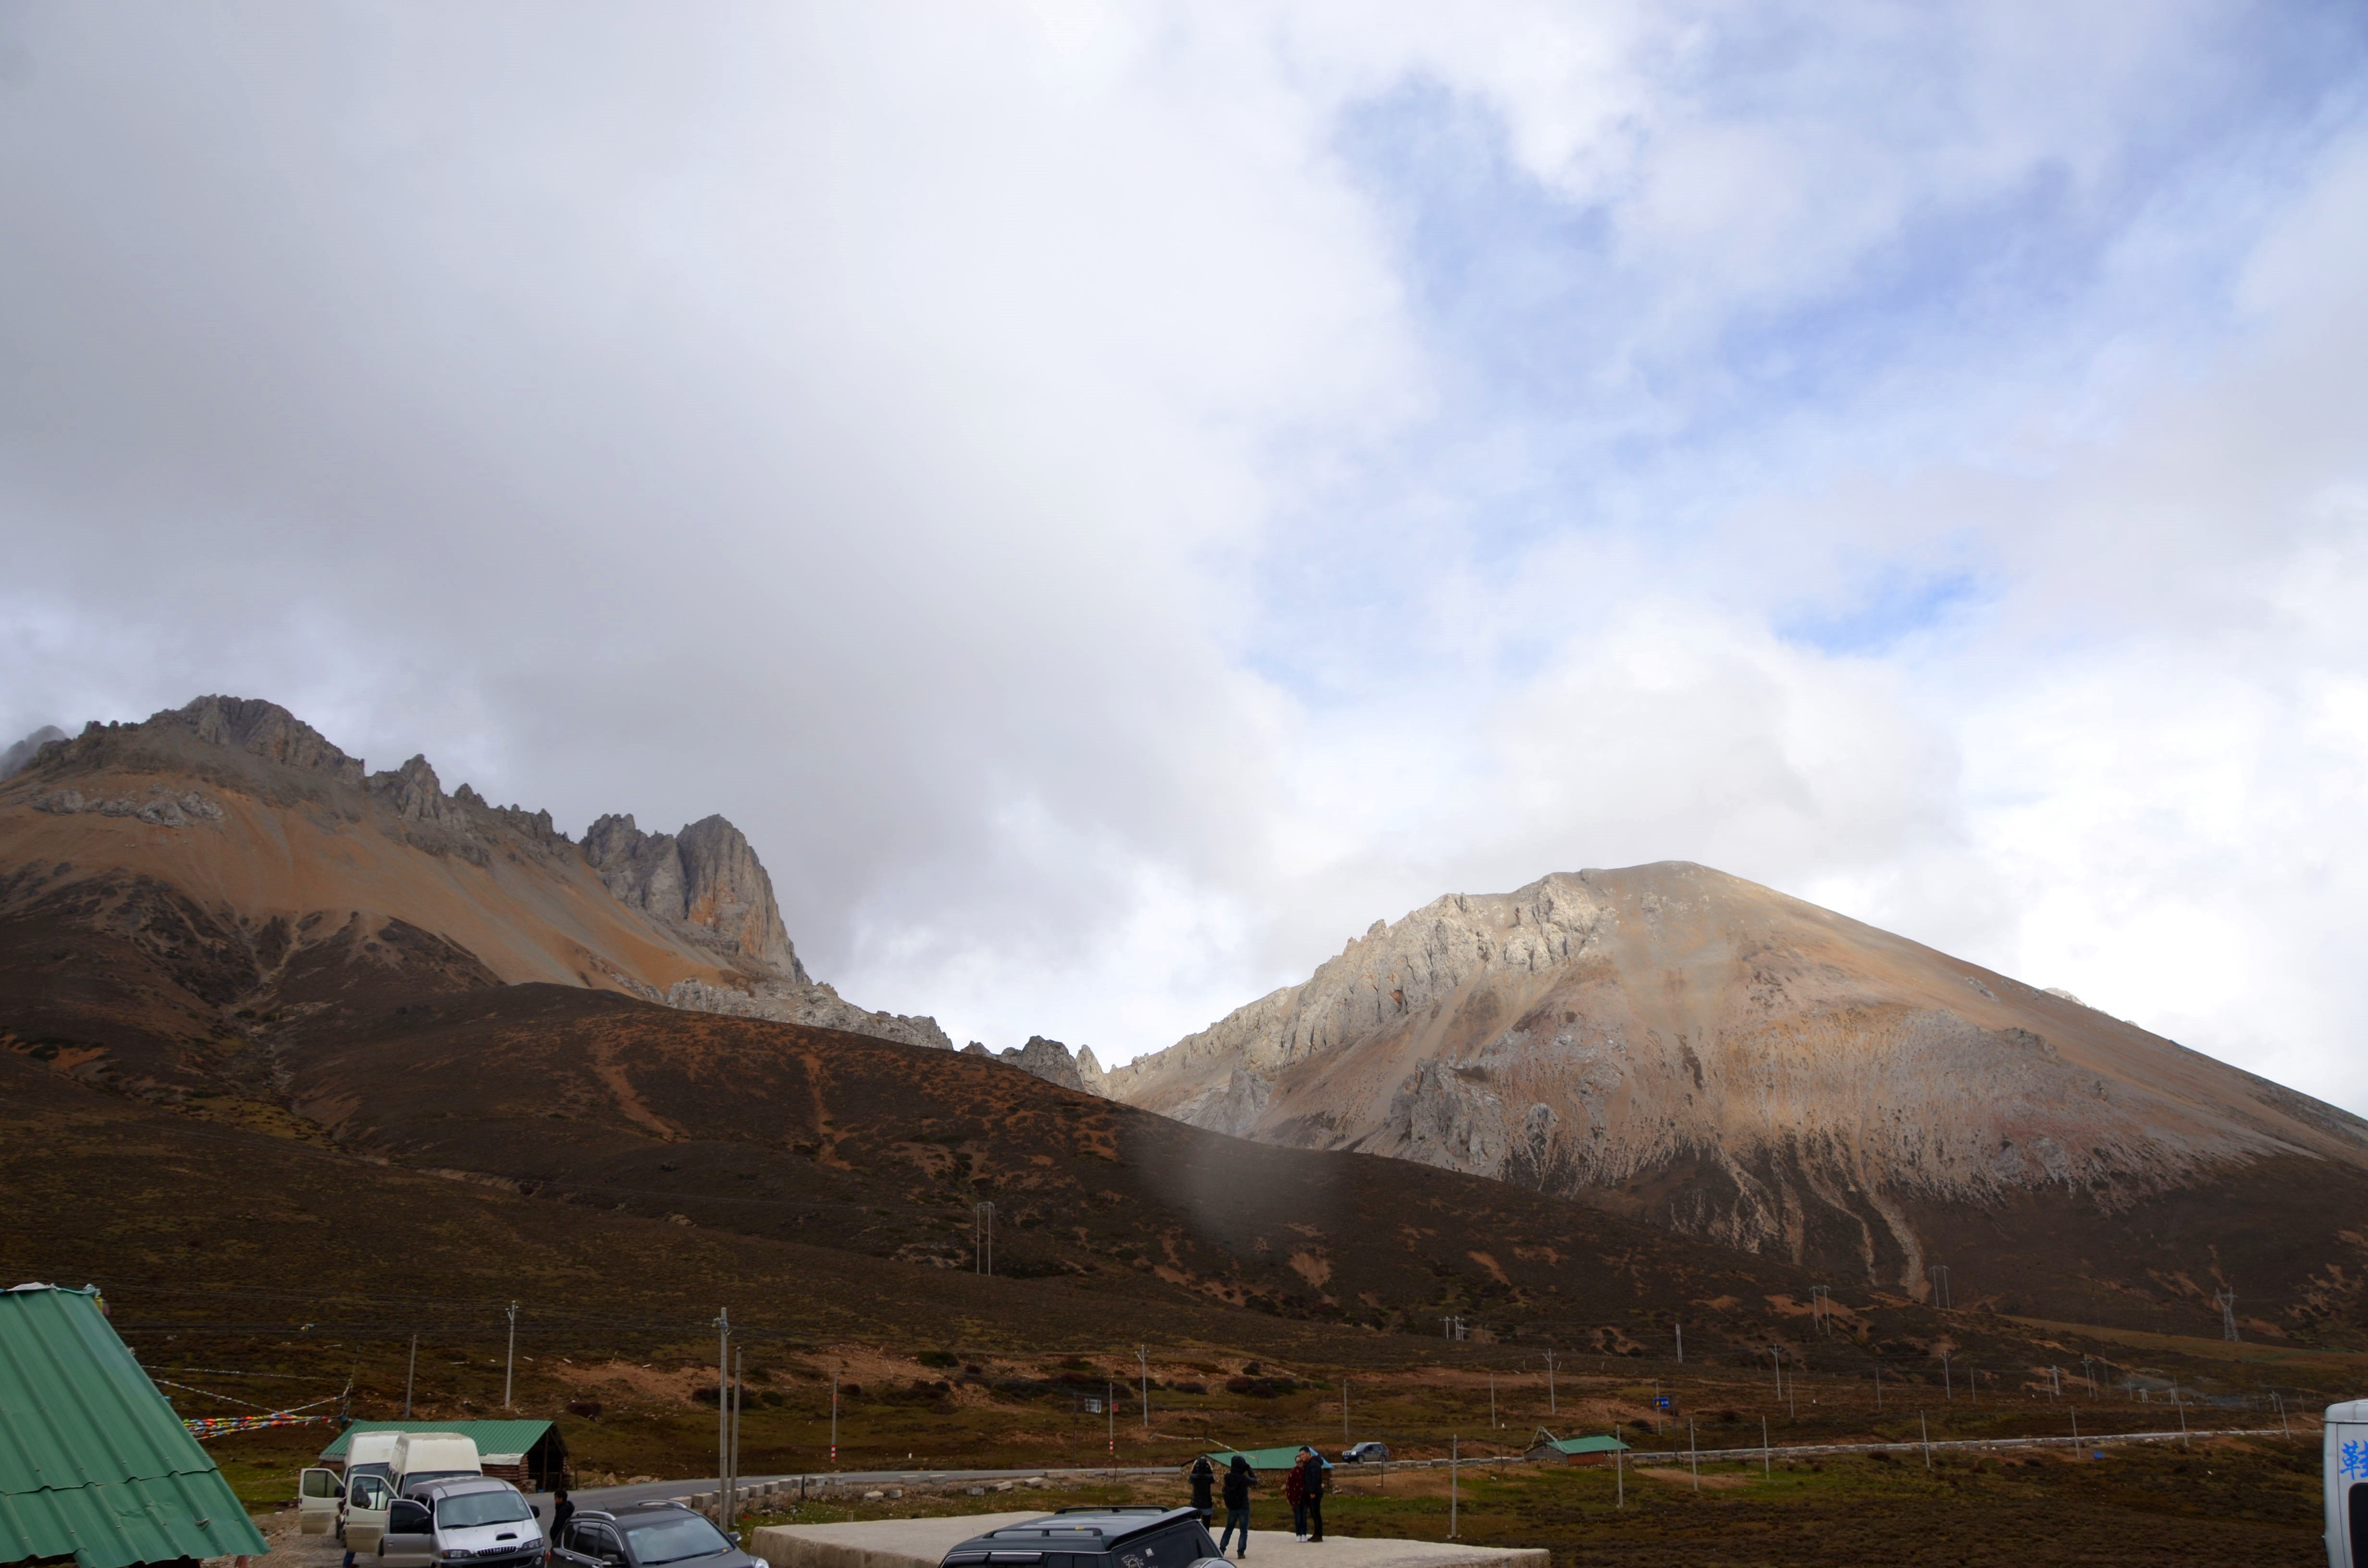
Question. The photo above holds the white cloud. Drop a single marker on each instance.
(1114, 500)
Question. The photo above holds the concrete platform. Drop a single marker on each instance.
(923, 1543)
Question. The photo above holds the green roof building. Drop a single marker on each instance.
(530, 1454)
(95, 1468)
(1575, 1449)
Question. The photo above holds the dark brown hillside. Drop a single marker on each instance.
(767, 1128)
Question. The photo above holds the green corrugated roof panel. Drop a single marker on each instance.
(490, 1437)
(94, 1463)
(1260, 1459)
(1588, 1445)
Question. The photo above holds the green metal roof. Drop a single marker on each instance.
(490, 1437)
(1587, 1445)
(94, 1463)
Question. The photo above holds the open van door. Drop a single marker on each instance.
(409, 1541)
(367, 1500)
(317, 1494)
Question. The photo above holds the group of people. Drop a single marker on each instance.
(1302, 1488)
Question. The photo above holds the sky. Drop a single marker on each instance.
(1113, 500)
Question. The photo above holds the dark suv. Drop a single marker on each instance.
(651, 1536)
(1091, 1538)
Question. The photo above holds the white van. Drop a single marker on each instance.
(2346, 1448)
(485, 1521)
(423, 1457)
(369, 1487)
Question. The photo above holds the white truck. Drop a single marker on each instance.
(2346, 1460)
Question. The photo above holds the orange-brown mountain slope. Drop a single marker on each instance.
(1678, 1045)
(162, 882)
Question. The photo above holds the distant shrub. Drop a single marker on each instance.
(937, 1358)
(1191, 1387)
(1260, 1388)
(1728, 1417)
(588, 1408)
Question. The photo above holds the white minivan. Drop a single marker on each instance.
(2346, 1443)
(486, 1522)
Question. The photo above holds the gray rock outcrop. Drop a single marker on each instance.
(1051, 1061)
(266, 730)
(163, 808)
(18, 758)
(817, 1006)
(704, 879)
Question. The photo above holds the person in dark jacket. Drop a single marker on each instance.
(1204, 1478)
(562, 1510)
(1307, 1512)
(1238, 1481)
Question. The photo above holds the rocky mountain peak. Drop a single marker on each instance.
(265, 729)
(705, 878)
(1050, 1060)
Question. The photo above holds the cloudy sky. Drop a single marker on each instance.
(1113, 500)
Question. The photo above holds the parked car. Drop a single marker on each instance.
(653, 1536)
(1093, 1538)
(1365, 1453)
(488, 1522)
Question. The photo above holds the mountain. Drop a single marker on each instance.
(17, 757)
(1681, 1046)
(166, 885)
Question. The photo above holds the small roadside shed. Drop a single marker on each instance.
(530, 1455)
(95, 1468)
(1574, 1450)
(1262, 1459)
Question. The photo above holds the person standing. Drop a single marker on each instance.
(1294, 1492)
(1204, 1479)
(562, 1510)
(1311, 1492)
(1238, 1481)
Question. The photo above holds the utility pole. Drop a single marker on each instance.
(731, 1488)
(2281, 1404)
(833, 1420)
(510, 1362)
(1764, 1471)
(1682, 1344)
(1344, 1415)
(722, 1397)
(1821, 1302)
(1948, 1386)
(1938, 1275)
(1492, 1402)
(2227, 1299)
(409, 1376)
(1776, 1360)
(1454, 1451)
(1550, 1388)
(982, 1236)
(1109, 1408)
(1694, 1453)
(1921, 1426)
(2182, 1414)
(1878, 1388)
(1142, 1360)
(1619, 1469)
